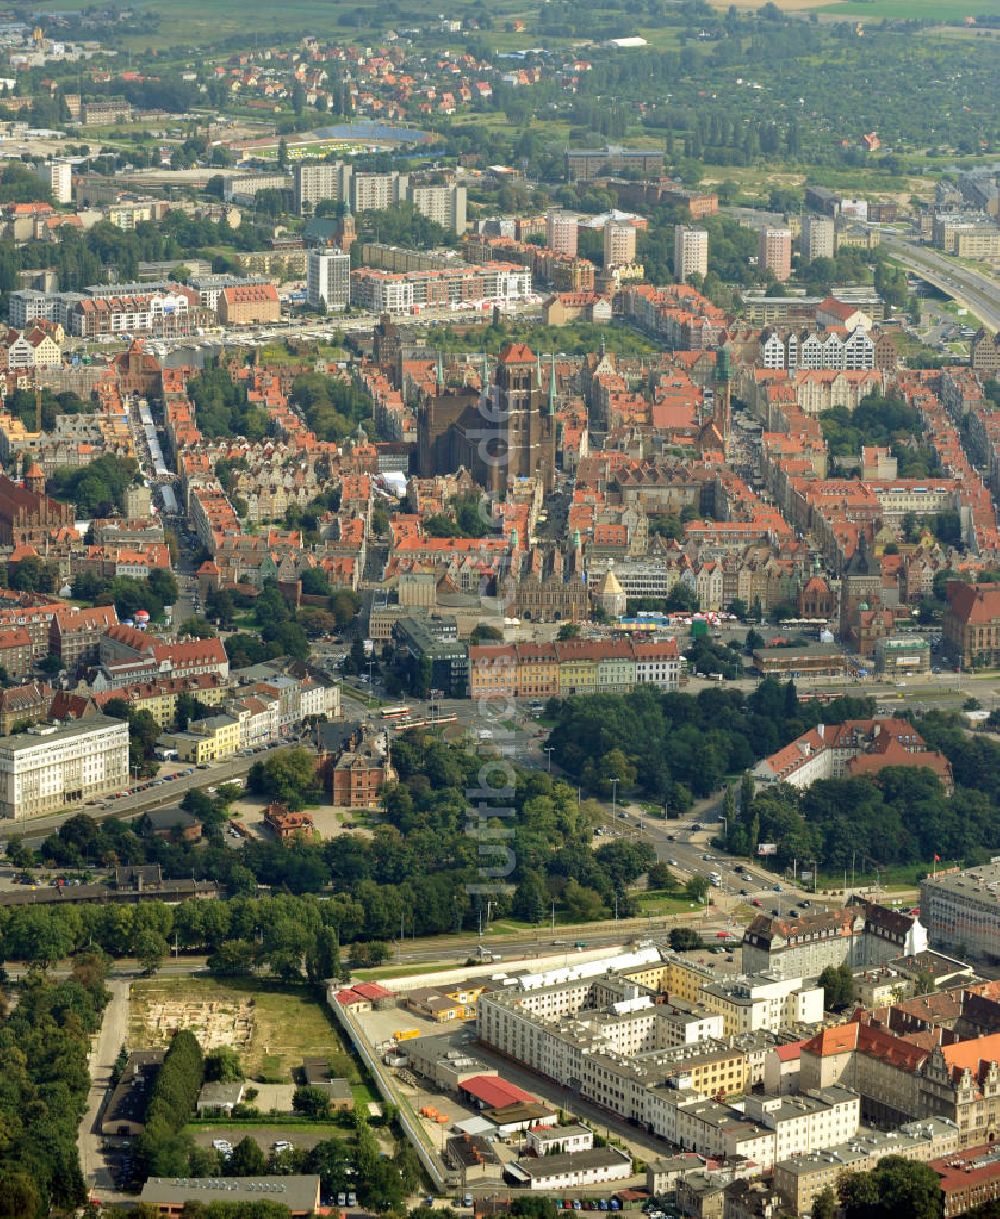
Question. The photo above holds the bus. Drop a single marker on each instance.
(394, 713)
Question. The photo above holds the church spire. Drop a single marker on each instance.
(538, 370)
(552, 383)
(440, 372)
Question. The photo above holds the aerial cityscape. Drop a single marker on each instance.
(500, 610)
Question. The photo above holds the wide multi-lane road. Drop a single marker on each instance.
(979, 293)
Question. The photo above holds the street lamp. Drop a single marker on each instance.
(614, 799)
(548, 751)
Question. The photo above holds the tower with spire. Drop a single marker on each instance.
(346, 231)
(723, 420)
(528, 447)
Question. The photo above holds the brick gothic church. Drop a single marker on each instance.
(505, 432)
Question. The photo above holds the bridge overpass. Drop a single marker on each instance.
(978, 293)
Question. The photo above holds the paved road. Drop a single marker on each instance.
(978, 293)
(131, 806)
(110, 1039)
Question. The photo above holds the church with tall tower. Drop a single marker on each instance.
(520, 402)
(507, 431)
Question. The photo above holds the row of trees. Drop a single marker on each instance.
(44, 1042)
(415, 871)
(153, 594)
(163, 1148)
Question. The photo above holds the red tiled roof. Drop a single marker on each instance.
(516, 353)
(494, 1092)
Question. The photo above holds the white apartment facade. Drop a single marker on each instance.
(51, 767)
(747, 1006)
(818, 350)
(619, 245)
(690, 252)
(58, 177)
(328, 279)
(322, 180)
(376, 192)
(445, 205)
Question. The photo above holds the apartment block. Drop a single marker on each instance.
(314, 182)
(690, 252)
(562, 233)
(962, 910)
(762, 1002)
(28, 305)
(58, 177)
(249, 305)
(774, 252)
(640, 1040)
(799, 1179)
(818, 237)
(388, 292)
(376, 192)
(619, 245)
(578, 666)
(582, 164)
(52, 767)
(862, 934)
(328, 278)
(445, 205)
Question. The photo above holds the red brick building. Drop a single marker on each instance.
(971, 624)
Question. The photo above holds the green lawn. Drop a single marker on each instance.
(896, 876)
(665, 902)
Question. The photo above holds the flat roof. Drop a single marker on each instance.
(981, 883)
(298, 1193)
(575, 1161)
(64, 732)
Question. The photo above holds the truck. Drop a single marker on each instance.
(405, 1034)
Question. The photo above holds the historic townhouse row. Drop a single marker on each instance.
(575, 666)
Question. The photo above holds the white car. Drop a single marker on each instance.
(282, 1145)
(222, 1145)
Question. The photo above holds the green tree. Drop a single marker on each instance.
(825, 1204)
(313, 1102)
(838, 987)
(151, 950)
(223, 1065)
(894, 1187)
(583, 904)
(530, 898)
(247, 1159)
(696, 888)
(685, 939)
(288, 775)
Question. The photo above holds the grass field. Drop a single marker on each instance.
(877, 10)
(663, 902)
(288, 1023)
(911, 10)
